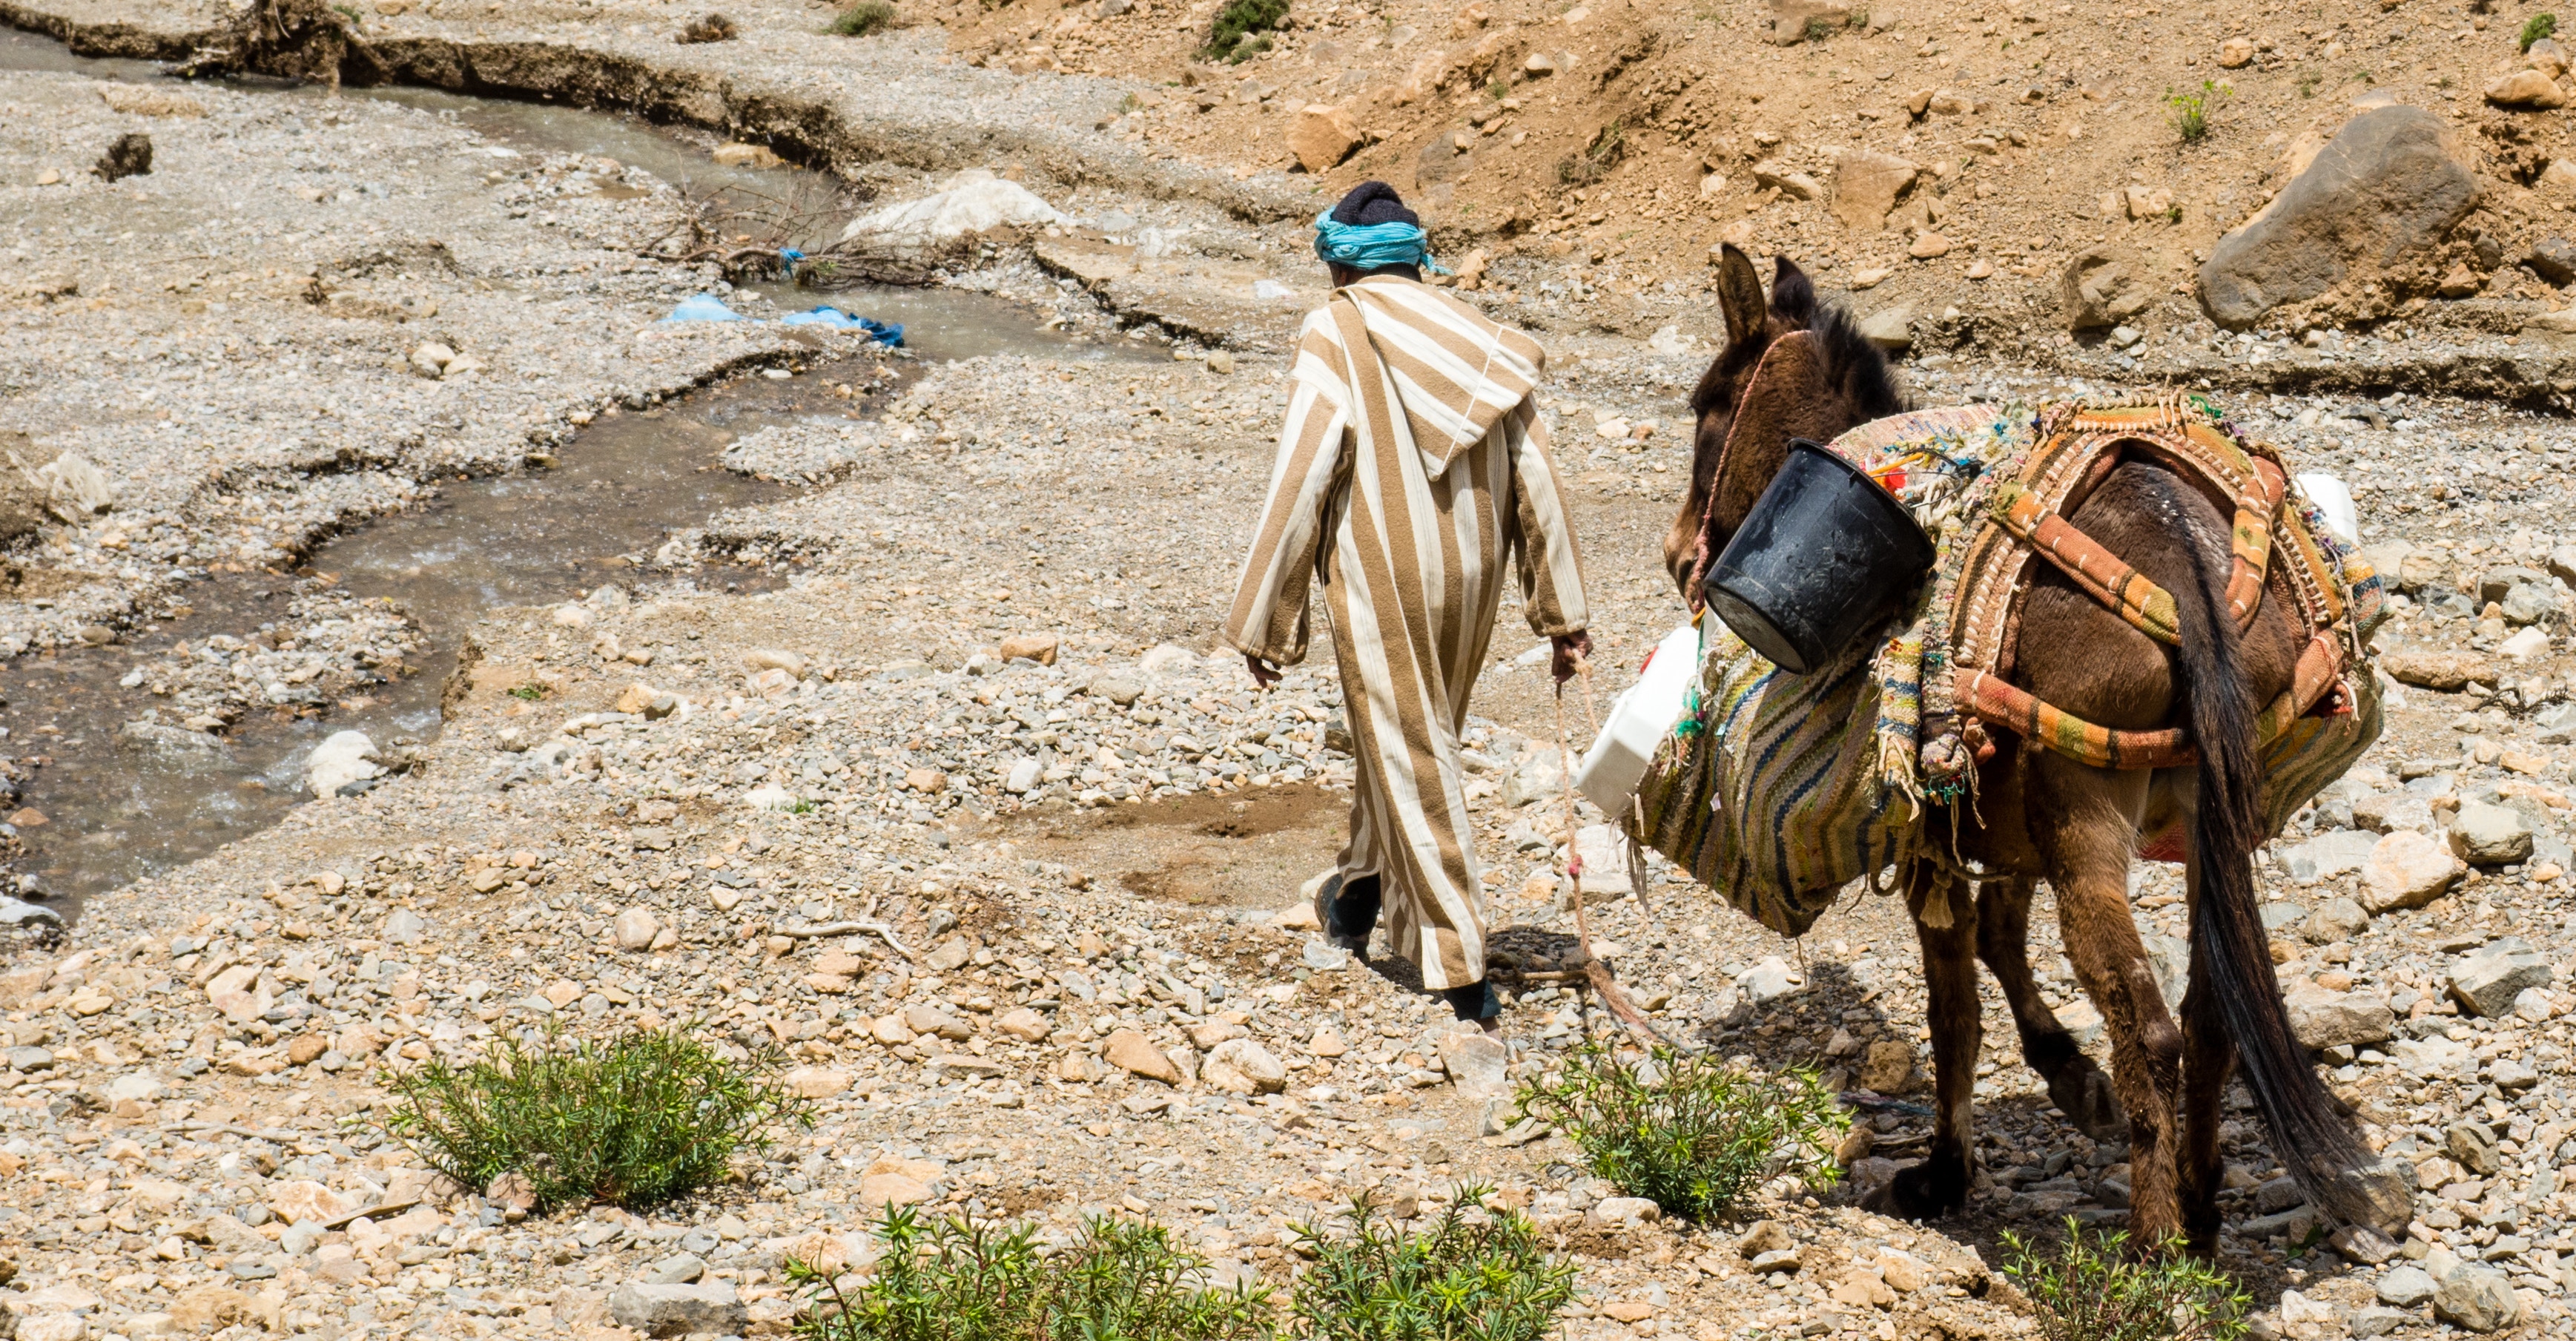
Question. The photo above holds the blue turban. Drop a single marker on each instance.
(1371, 229)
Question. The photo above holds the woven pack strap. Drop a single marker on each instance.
(2130, 594)
(2103, 575)
(2013, 708)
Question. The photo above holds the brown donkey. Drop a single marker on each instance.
(2041, 815)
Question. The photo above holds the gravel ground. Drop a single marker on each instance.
(987, 714)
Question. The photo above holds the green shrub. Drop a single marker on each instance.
(635, 1121)
(2090, 1290)
(1469, 1277)
(861, 19)
(1689, 1132)
(1232, 37)
(952, 1281)
(2191, 109)
(2537, 27)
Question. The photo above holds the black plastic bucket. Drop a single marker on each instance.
(1824, 557)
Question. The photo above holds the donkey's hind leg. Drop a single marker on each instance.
(2075, 1084)
(1939, 1184)
(2085, 835)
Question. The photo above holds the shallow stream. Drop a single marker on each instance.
(112, 813)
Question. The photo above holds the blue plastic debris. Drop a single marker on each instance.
(704, 307)
(884, 333)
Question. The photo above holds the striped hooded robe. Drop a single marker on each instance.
(1411, 466)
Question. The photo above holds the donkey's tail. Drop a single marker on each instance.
(2310, 1129)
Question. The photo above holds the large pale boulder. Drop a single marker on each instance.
(970, 202)
(342, 758)
(2407, 870)
(1322, 135)
(2394, 181)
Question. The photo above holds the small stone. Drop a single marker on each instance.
(679, 1310)
(1478, 1064)
(303, 1199)
(676, 1269)
(1024, 1024)
(1765, 1236)
(2489, 835)
(2476, 1298)
(1131, 1052)
(1888, 1067)
(1242, 1066)
(1327, 1042)
(877, 1191)
(2526, 89)
(926, 780)
(1769, 980)
(306, 1049)
(2487, 982)
(815, 1082)
(1928, 245)
(1625, 1211)
(2448, 672)
(1037, 647)
(1771, 174)
(2322, 1019)
(2407, 870)
(738, 155)
(636, 928)
(2406, 1287)
(2235, 53)
(1785, 1260)
(1891, 329)
(2337, 919)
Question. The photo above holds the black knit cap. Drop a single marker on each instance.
(1374, 203)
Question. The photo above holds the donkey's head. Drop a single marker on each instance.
(1792, 368)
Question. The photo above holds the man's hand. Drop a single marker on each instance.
(1569, 647)
(1264, 674)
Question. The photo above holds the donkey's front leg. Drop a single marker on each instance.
(1939, 1184)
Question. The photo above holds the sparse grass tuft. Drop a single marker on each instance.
(528, 693)
(1235, 34)
(2537, 27)
(948, 1280)
(1689, 1132)
(2191, 109)
(1608, 145)
(635, 1121)
(2088, 1289)
(1475, 1274)
(861, 19)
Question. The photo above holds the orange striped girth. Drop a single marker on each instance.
(2026, 527)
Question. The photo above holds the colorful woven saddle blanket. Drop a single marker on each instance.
(1780, 790)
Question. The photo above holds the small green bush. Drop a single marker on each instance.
(2537, 27)
(635, 1121)
(861, 19)
(2191, 109)
(1232, 37)
(948, 1280)
(1474, 1275)
(1689, 1132)
(2088, 1289)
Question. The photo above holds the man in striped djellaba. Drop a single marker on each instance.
(1411, 469)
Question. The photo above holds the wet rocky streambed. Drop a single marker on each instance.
(113, 777)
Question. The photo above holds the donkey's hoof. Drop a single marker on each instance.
(2085, 1094)
(1926, 1191)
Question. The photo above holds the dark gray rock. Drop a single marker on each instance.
(2393, 182)
(2487, 982)
(2553, 259)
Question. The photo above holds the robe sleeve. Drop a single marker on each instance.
(1551, 567)
(1269, 617)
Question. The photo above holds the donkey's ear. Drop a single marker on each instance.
(1793, 295)
(1739, 296)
